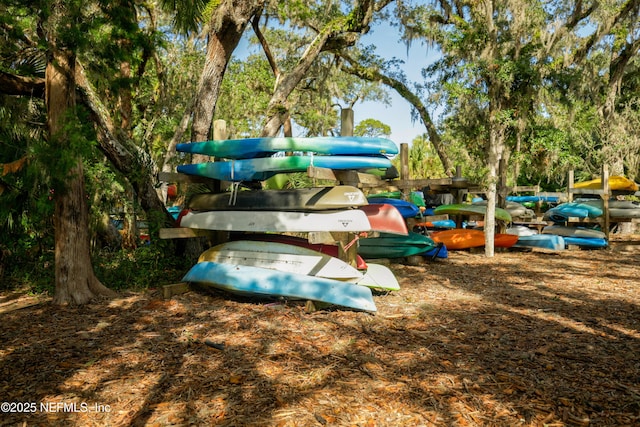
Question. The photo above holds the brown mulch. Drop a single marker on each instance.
(524, 338)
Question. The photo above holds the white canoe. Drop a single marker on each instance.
(282, 257)
(352, 220)
(299, 260)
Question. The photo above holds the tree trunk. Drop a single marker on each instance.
(232, 19)
(75, 280)
(129, 159)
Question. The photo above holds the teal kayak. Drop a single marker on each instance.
(263, 168)
(395, 246)
(564, 211)
(262, 147)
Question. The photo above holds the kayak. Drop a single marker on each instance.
(464, 238)
(616, 183)
(394, 246)
(469, 209)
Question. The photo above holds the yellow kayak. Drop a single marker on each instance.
(616, 182)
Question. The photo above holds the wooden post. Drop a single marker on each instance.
(502, 191)
(570, 186)
(404, 169)
(605, 200)
(219, 133)
(502, 184)
(346, 122)
(220, 129)
(346, 253)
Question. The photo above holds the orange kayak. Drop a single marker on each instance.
(462, 238)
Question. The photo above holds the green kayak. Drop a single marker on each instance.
(467, 209)
(395, 246)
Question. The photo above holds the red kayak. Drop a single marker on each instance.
(385, 218)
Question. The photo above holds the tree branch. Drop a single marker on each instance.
(374, 75)
(11, 84)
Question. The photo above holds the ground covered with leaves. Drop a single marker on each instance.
(524, 338)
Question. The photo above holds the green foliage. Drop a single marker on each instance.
(372, 128)
(149, 266)
(244, 97)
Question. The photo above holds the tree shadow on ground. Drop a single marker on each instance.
(504, 342)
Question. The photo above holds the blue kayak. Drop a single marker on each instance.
(262, 147)
(265, 282)
(564, 211)
(586, 242)
(262, 168)
(529, 199)
(407, 209)
(542, 241)
(439, 251)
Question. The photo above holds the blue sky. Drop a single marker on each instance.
(416, 57)
(388, 46)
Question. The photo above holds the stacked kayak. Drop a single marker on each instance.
(298, 259)
(564, 211)
(258, 159)
(617, 208)
(267, 263)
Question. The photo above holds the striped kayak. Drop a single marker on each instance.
(264, 282)
(262, 147)
(299, 199)
(262, 168)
